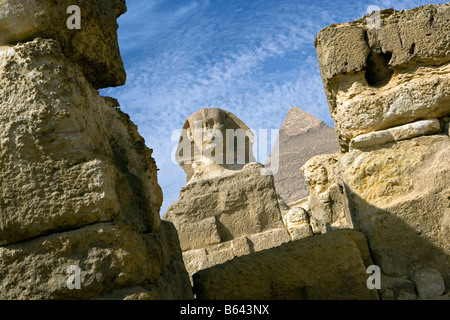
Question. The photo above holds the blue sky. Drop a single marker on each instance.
(253, 58)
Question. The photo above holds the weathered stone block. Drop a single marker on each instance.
(389, 76)
(328, 266)
(94, 47)
(110, 257)
(407, 131)
(62, 164)
(398, 195)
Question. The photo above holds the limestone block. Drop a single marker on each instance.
(429, 283)
(195, 260)
(94, 47)
(293, 270)
(241, 246)
(199, 235)
(407, 131)
(269, 239)
(79, 187)
(220, 253)
(296, 221)
(399, 197)
(387, 76)
(110, 257)
(63, 165)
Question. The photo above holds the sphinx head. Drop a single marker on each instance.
(214, 140)
(94, 46)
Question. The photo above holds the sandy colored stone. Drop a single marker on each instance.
(226, 209)
(301, 137)
(389, 76)
(327, 201)
(407, 131)
(198, 235)
(297, 223)
(110, 257)
(269, 239)
(223, 217)
(94, 47)
(79, 187)
(68, 159)
(243, 203)
(328, 266)
(195, 260)
(399, 197)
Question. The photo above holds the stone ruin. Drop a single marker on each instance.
(388, 93)
(80, 190)
(225, 210)
(79, 186)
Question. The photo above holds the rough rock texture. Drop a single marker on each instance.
(227, 216)
(330, 266)
(297, 222)
(377, 78)
(406, 131)
(213, 142)
(327, 204)
(302, 136)
(78, 187)
(388, 94)
(399, 197)
(94, 47)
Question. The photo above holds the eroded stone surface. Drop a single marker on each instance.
(327, 202)
(389, 76)
(407, 131)
(62, 163)
(94, 47)
(227, 216)
(79, 188)
(400, 195)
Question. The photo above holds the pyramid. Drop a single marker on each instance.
(302, 136)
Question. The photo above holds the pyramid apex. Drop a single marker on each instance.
(298, 121)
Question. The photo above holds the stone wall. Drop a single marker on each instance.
(79, 186)
(388, 94)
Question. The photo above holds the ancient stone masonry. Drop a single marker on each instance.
(388, 92)
(79, 186)
(378, 78)
(94, 47)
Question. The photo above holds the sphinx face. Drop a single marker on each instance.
(217, 139)
(94, 47)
